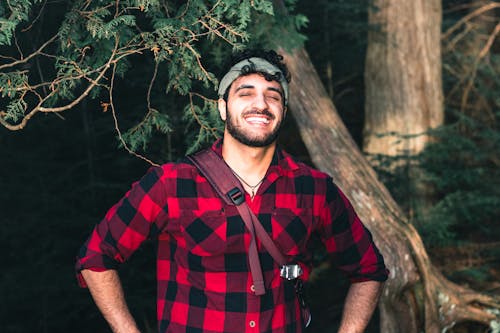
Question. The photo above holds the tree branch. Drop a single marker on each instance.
(24, 60)
(117, 127)
(189, 47)
(468, 17)
(212, 130)
(490, 41)
(40, 108)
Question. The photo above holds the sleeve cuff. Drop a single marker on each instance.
(94, 263)
(379, 276)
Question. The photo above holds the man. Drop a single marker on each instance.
(204, 279)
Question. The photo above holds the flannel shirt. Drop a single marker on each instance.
(204, 280)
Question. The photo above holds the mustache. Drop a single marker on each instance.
(258, 113)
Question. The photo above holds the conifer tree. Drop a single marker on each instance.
(54, 56)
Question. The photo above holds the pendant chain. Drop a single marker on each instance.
(252, 187)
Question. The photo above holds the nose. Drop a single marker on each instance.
(260, 102)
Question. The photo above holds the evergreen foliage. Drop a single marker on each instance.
(462, 166)
(208, 122)
(88, 47)
(12, 13)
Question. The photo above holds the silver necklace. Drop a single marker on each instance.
(252, 187)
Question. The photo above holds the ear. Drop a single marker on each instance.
(222, 108)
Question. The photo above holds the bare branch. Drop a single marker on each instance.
(215, 31)
(40, 12)
(468, 77)
(40, 108)
(490, 41)
(86, 92)
(212, 130)
(151, 83)
(117, 127)
(148, 98)
(473, 72)
(196, 54)
(232, 31)
(24, 60)
(454, 41)
(468, 17)
(26, 118)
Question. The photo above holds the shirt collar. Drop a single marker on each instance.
(281, 162)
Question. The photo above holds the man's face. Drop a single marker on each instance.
(254, 110)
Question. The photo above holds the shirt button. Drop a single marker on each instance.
(252, 288)
(251, 323)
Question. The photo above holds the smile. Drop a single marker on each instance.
(257, 119)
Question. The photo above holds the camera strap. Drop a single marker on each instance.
(228, 187)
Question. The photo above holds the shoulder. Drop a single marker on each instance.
(301, 169)
(311, 180)
(183, 168)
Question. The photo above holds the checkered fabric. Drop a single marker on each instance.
(204, 279)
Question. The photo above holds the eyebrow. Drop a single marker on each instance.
(245, 86)
(249, 86)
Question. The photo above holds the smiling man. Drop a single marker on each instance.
(205, 281)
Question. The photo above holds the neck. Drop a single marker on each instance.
(250, 163)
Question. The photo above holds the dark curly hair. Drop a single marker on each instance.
(269, 55)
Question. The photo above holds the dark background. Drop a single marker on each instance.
(59, 176)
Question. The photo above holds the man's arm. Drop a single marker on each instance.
(106, 289)
(361, 301)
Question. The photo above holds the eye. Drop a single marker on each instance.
(244, 93)
(275, 97)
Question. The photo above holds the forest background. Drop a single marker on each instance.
(61, 171)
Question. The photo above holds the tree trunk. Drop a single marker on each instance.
(404, 94)
(403, 86)
(417, 298)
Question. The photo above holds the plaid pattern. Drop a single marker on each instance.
(204, 280)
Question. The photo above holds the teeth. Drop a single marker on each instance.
(258, 120)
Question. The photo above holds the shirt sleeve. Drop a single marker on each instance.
(348, 242)
(139, 214)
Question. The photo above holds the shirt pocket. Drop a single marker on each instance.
(292, 229)
(204, 233)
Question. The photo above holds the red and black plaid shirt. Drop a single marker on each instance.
(204, 279)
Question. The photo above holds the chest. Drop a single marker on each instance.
(204, 225)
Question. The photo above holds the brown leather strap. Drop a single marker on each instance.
(253, 253)
(220, 176)
(266, 240)
(230, 190)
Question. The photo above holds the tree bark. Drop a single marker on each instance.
(417, 298)
(403, 86)
(404, 93)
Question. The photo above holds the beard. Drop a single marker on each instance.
(247, 138)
